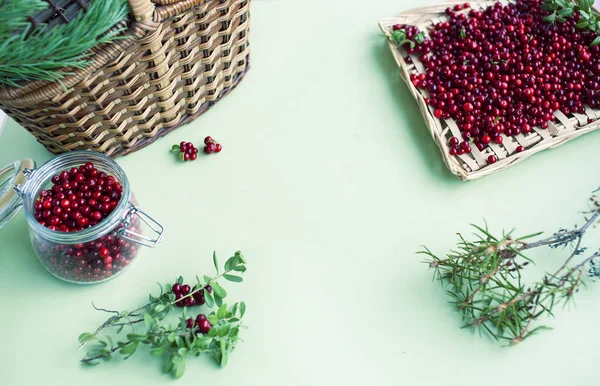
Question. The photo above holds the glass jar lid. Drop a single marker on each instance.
(11, 176)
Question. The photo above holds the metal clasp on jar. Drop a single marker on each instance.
(137, 237)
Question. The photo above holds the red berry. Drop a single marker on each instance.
(486, 139)
(492, 159)
(438, 113)
(176, 288)
(520, 149)
(210, 148)
(218, 148)
(208, 140)
(204, 326)
(185, 289)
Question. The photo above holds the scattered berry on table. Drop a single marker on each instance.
(212, 146)
(187, 151)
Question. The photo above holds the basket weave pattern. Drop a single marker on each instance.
(474, 165)
(177, 60)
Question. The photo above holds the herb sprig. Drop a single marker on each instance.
(399, 38)
(563, 9)
(174, 341)
(483, 277)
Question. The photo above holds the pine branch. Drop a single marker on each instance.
(484, 278)
(33, 55)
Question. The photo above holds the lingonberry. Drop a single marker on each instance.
(200, 318)
(210, 148)
(208, 289)
(185, 289)
(492, 159)
(176, 288)
(204, 326)
(520, 149)
(189, 323)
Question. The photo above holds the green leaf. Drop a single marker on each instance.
(233, 278)
(223, 353)
(398, 36)
(129, 349)
(210, 302)
(179, 368)
(240, 268)
(213, 319)
(203, 342)
(550, 18)
(596, 41)
(175, 148)
(218, 290)
(242, 309)
(137, 337)
(86, 337)
(159, 308)
(158, 351)
(213, 332)
(110, 341)
(120, 329)
(224, 330)
(222, 311)
(581, 24)
(232, 262)
(171, 337)
(463, 34)
(218, 301)
(169, 364)
(565, 12)
(148, 321)
(215, 261)
(180, 280)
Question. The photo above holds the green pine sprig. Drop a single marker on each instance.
(561, 10)
(172, 340)
(28, 54)
(483, 279)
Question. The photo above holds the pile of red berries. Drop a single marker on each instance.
(505, 70)
(78, 199)
(201, 323)
(212, 146)
(182, 290)
(187, 151)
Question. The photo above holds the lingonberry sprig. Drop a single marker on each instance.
(405, 34)
(186, 150)
(483, 277)
(212, 146)
(214, 333)
(581, 10)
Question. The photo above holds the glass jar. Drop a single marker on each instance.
(78, 257)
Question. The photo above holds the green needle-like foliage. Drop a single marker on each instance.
(39, 54)
(483, 278)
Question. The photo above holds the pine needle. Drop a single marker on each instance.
(31, 55)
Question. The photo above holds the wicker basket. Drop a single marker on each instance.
(474, 165)
(179, 58)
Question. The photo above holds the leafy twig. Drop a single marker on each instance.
(218, 336)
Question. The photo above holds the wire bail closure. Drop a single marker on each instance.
(137, 237)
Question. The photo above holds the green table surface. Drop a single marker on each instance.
(329, 183)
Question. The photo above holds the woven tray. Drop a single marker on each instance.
(177, 58)
(474, 165)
